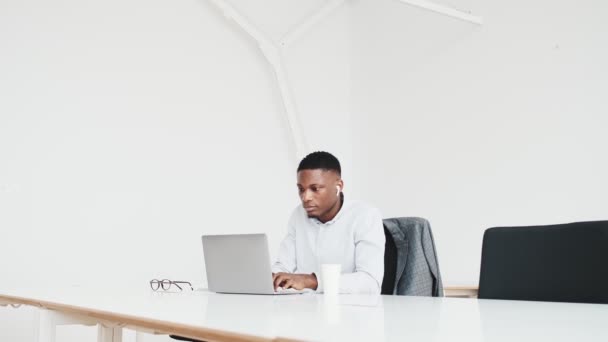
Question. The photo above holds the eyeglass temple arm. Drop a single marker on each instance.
(183, 282)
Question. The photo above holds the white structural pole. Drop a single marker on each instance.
(273, 54)
(231, 13)
(445, 10)
(275, 58)
(274, 51)
(312, 20)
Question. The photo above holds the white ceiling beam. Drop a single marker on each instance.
(312, 20)
(273, 54)
(244, 23)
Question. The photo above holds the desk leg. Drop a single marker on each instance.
(48, 320)
(46, 326)
(105, 334)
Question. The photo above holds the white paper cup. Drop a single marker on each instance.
(330, 276)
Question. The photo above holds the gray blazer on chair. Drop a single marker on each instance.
(417, 272)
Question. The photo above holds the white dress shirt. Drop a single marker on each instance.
(354, 239)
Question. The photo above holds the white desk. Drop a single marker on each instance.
(312, 317)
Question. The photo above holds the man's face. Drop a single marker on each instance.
(318, 192)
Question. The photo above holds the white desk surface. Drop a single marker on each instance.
(314, 317)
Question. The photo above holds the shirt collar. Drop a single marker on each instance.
(336, 218)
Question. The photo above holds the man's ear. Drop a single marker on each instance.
(340, 185)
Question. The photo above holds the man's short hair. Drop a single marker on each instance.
(320, 160)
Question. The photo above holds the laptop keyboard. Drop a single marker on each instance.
(281, 290)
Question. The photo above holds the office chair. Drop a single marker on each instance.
(556, 263)
(410, 260)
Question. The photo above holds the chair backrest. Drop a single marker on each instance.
(390, 264)
(410, 260)
(557, 263)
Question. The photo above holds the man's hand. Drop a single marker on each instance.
(294, 281)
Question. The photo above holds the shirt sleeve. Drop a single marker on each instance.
(369, 257)
(286, 259)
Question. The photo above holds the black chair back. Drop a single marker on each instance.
(557, 263)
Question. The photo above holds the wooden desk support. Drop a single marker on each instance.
(110, 324)
(461, 291)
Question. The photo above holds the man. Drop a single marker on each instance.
(327, 229)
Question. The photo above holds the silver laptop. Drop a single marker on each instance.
(239, 264)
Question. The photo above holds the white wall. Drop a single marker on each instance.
(130, 128)
(474, 127)
(140, 125)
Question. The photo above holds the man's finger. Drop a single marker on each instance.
(281, 277)
(275, 278)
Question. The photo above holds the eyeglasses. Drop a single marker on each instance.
(165, 284)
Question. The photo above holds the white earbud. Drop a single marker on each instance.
(338, 192)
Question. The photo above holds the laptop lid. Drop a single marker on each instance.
(238, 263)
